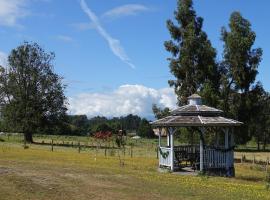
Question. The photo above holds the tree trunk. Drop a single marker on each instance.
(28, 137)
(258, 145)
(264, 141)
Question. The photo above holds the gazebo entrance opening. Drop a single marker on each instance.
(215, 157)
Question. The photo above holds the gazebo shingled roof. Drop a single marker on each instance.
(195, 114)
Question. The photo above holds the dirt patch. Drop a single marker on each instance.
(4, 170)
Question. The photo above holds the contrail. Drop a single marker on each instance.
(113, 43)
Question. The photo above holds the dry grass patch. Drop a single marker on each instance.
(37, 173)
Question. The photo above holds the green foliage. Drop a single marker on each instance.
(81, 125)
(78, 125)
(32, 94)
(239, 95)
(259, 123)
(129, 123)
(229, 85)
(193, 57)
(145, 129)
(160, 113)
(103, 127)
(240, 60)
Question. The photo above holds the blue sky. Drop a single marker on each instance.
(111, 52)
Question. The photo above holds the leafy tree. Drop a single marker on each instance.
(79, 124)
(130, 122)
(160, 113)
(193, 57)
(32, 94)
(93, 122)
(259, 124)
(103, 127)
(145, 129)
(239, 69)
(240, 60)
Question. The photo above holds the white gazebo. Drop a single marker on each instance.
(217, 158)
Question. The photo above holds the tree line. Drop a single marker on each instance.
(133, 124)
(230, 83)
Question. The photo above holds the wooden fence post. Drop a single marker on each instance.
(24, 144)
(79, 147)
(267, 164)
(52, 145)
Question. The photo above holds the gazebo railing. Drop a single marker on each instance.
(187, 148)
(164, 156)
(213, 158)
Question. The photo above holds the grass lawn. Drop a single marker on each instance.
(37, 173)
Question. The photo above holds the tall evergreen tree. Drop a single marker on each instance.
(239, 69)
(240, 60)
(193, 57)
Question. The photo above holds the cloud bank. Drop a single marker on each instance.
(113, 43)
(127, 99)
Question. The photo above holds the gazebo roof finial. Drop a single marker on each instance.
(195, 99)
(194, 96)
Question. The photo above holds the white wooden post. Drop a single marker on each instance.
(201, 149)
(159, 137)
(168, 137)
(171, 131)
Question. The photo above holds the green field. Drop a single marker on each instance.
(38, 173)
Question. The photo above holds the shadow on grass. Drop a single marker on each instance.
(74, 145)
(250, 178)
(252, 150)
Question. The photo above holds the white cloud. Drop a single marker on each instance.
(120, 11)
(3, 59)
(11, 11)
(127, 99)
(65, 38)
(125, 10)
(113, 43)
